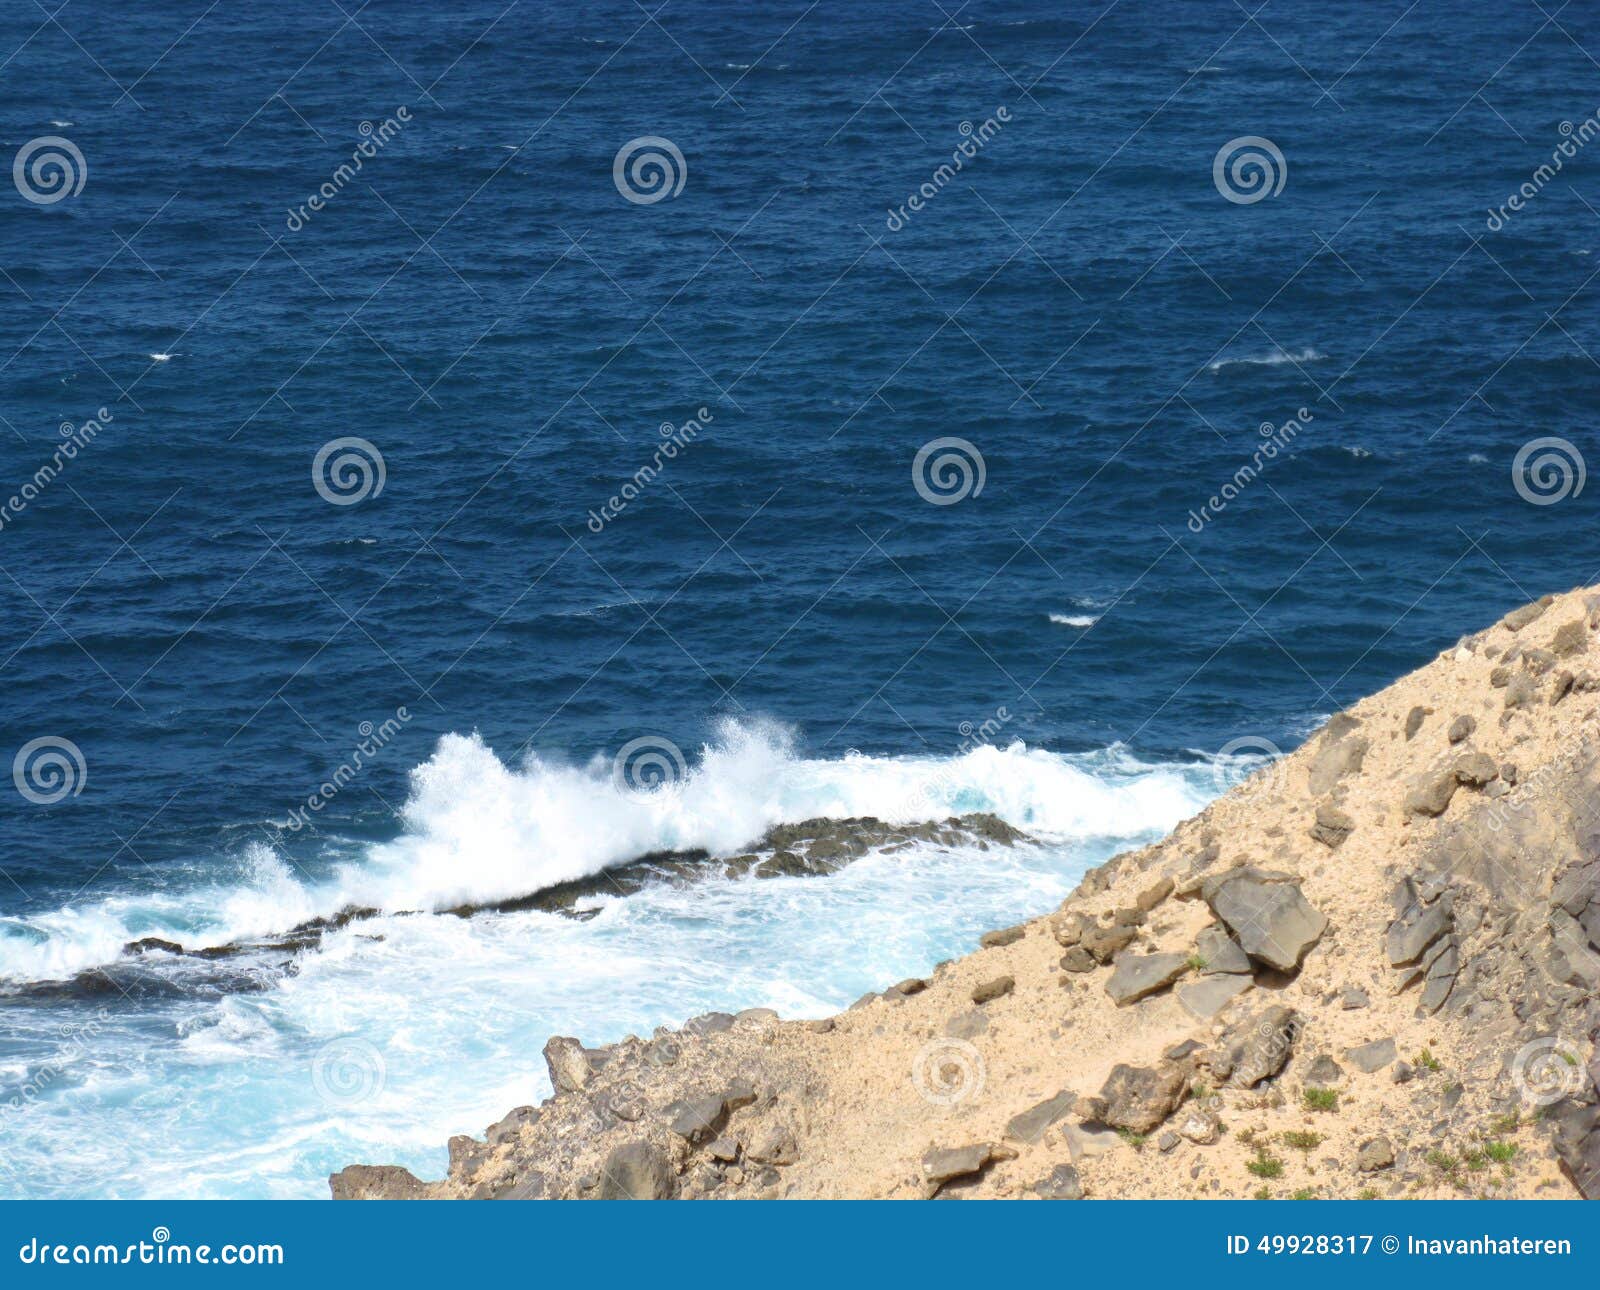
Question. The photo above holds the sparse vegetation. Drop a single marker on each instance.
(1262, 1194)
(1134, 1140)
(1501, 1152)
(1320, 1099)
(1425, 1060)
(1265, 1166)
(1367, 1193)
(1197, 963)
(1302, 1139)
(1305, 1193)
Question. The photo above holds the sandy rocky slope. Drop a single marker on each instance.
(1371, 969)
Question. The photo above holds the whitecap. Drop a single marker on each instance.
(1275, 358)
(1075, 620)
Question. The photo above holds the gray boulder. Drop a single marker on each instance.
(1140, 1098)
(637, 1171)
(1205, 998)
(1061, 1184)
(1137, 975)
(1272, 920)
(1256, 1048)
(1373, 1057)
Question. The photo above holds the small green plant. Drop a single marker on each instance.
(1508, 1123)
(1320, 1099)
(1265, 1166)
(1474, 1159)
(1197, 963)
(1501, 1152)
(1445, 1163)
(1367, 1193)
(1134, 1140)
(1200, 1092)
(1305, 1193)
(1262, 1194)
(1302, 1139)
(1425, 1060)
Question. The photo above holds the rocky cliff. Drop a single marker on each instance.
(1369, 970)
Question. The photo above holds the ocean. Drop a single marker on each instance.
(450, 450)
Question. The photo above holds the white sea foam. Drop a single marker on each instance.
(1275, 358)
(477, 830)
(1075, 620)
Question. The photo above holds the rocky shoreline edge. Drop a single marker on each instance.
(1372, 969)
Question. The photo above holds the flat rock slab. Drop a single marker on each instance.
(1274, 923)
(1210, 995)
(1137, 975)
(1087, 1141)
(1140, 1098)
(1221, 953)
(1033, 1123)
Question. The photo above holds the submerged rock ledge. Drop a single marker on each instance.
(1371, 969)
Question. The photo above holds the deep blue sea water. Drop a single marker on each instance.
(484, 306)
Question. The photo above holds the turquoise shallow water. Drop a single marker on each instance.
(248, 684)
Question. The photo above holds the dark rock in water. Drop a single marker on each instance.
(1256, 1048)
(1061, 1184)
(1004, 937)
(1033, 1123)
(375, 1182)
(1273, 921)
(697, 1119)
(1369, 1058)
(147, 943)
(637, 1171)
(1140, 1098)
(1137, 975)
(990, 990)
